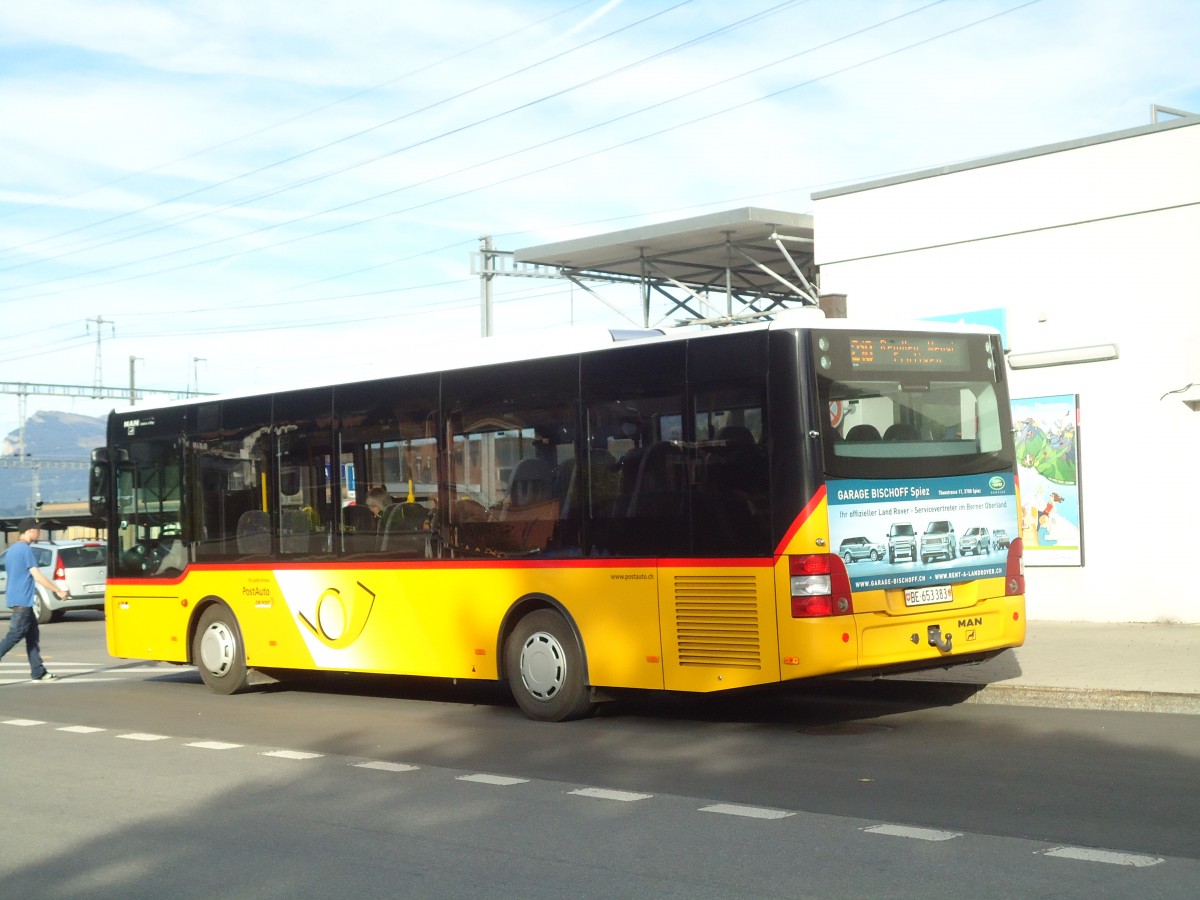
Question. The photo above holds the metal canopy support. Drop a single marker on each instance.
(760, 260)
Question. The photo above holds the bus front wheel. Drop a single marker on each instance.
(218, 653)
(544, 665)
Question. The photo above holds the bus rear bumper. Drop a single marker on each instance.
(874, 643)
(941, 638)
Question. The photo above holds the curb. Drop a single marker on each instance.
(1087, 698)
(898, 691)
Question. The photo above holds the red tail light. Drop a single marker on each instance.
(60, 572)
(820, 586)
(1014, 571)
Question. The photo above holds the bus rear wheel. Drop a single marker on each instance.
(544, 664)
(218, 653)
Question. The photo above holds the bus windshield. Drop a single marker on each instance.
(912, 405)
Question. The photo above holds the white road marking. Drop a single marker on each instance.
(502, 780)
(1112, 858)
(1084, 854)
(602, 794)
(386, 766)
(908, 831)
(291, 754)
(747, 812)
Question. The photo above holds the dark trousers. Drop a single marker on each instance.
(24, 624)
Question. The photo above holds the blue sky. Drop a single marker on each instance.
(289, 191)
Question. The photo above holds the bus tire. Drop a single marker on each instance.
(218, 651)
(544, 665)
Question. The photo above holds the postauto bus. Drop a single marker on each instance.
(657, 512)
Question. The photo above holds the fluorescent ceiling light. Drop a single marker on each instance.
(1062, 357)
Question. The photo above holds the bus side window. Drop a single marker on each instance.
(511, 461)
(730, 502)
(231, 458)
(637, 504)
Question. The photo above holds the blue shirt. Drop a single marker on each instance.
(18, 562)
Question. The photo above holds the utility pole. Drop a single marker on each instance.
(196, 360)
(100, 323)
(486, 276)
(132, 389)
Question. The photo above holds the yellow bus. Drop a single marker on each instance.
(696, 510)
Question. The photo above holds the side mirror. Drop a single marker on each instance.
(99, 482)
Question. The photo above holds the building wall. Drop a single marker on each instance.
(1094, 242)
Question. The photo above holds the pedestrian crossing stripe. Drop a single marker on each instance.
(1111, 857)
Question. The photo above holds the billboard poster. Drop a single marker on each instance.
(906, 533)
(1047, 443)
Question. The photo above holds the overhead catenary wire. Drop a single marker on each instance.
(264, 130)
(621, 144)
(140, 231)
(526, 174)
(348, 137)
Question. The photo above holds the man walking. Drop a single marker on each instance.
(23, 571)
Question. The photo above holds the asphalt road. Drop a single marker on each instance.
(400, 787)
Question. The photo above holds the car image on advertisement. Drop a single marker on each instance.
(78, 566)
(852, 549)
(902, 541)
(1000, 539)
(976, 541)
(938, 540)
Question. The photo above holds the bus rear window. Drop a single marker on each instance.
(920, 416)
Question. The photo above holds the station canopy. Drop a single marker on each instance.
(725, 266)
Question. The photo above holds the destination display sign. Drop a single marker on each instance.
(899, 352)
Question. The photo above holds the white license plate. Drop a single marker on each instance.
(921, 596)
(93, 589)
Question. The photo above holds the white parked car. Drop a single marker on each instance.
(79, 566)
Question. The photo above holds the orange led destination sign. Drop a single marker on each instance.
(909, 352)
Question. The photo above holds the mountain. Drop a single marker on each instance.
(50, 437)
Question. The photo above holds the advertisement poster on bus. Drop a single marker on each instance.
(1047, 444)
(906, 533)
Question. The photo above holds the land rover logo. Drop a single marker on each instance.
(996, 483)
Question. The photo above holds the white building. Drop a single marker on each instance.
(1084, 244)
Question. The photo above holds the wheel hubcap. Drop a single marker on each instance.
(543, 666)
(217, 647)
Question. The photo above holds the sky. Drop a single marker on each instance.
(227, 196)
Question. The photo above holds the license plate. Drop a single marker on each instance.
(93, 589)
(940, 593)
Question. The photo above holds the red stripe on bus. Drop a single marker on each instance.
(460, 564)
(805, 514)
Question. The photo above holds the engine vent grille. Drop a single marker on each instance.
(716, 621)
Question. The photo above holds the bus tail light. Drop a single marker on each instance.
(1014, 571)
(820, 586)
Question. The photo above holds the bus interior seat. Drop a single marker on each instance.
(601, 471)
(659, 487)
(403, 529)
(358, 518)
(532, 483)
(737, 437)
(254, 532)
(295, 531)
(175, 560)
(863, 432)
(900, 431)
(358, 529)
